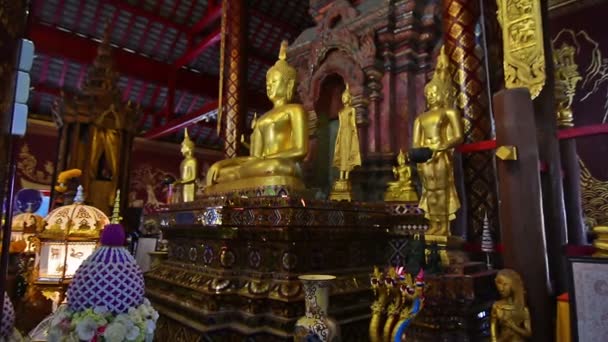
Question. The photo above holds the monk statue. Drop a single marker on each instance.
(401, 190)
(278, 143)
(188, 170)
(510, 318)
(440, 130)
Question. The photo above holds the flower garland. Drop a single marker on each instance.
(100, 325)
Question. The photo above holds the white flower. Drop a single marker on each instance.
(101, 310)
(132, 332)
(115, 332)
(135, 316)
(147, 302)
(150, 326)
(86, 328)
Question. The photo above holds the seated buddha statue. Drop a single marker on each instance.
(402, 189)
(278, 143)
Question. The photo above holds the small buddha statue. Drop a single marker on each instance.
(510, 318)
(278, 143)
(188, 170)
(402, 189)
(440, 130)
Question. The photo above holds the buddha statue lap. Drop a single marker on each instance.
(278, 143)
(440, 130)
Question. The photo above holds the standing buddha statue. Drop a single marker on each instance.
(346, 152)
(188, 170)
(510, 318)
(278, 143)
(402, 189)
(440, 130)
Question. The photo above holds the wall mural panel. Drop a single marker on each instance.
(585, 30)
(36, 154)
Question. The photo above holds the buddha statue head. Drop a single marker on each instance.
(401, 158)
(187, 145)
(346, 96)
(281, 79)
(439, 91)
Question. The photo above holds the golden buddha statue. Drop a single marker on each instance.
(188, 170)
(278, 143)
(401, 190)
(346, 152)
(105, 146)
(440, 130)
(510, 318)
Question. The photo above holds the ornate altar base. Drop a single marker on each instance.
(233, 265)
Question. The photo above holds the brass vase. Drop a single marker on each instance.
(316, 325)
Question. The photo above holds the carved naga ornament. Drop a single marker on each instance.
(524, 54)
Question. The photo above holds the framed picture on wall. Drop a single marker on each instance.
(588, 298)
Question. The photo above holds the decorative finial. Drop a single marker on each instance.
(79, 198)
(116, 209)
(283, 50)
(487, 244)
(187, 142)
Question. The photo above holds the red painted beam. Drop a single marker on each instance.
(203, 45)
(582, 131)
(211, 14)
(182, 122)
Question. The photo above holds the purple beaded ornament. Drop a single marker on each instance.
(8, 318)
(110, 277)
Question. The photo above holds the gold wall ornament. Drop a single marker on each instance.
(566, 78)
(524, 53)
(594, 193)
(346, 152)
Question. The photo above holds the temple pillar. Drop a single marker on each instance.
(233, 69)
(520, 209)
(552, 184)
(459, 20)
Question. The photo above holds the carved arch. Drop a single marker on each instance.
(340, 63)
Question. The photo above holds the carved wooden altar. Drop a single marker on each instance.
(96, 133)
(233, 264)
(383, 50)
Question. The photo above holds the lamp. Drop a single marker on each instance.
(70, 235)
